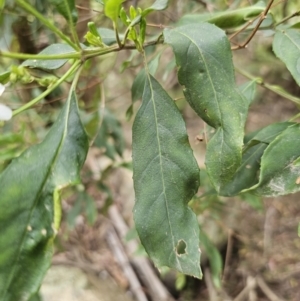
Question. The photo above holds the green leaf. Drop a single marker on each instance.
(51, 64)
(157, 5)
(286, 46)
(280, 168)
(247, 174)
(108, 36)
(206, 73)
(267, 134)
(226, 19)
(137, 88)
(30, 207)
(112, 9)
(67, 9)
(166, 177)
(248, 89)
(4, 77)
(110, 136)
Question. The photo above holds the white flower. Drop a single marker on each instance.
(5, 111)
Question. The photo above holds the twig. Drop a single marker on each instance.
(251, 284)
(266, 290)
(213, 294)
(295, 14)
(117, 249)
(276, 89)
(143, 268)
(262, 17)
(228, 254)
(87, 267)
(243, 28)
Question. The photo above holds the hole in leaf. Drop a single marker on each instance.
(181, 247)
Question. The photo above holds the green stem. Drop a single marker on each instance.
(117, 35)
(276, 89)
(48, 91)
(89, 53)
(295, 117)
(295, 14)
(71, 25)
(25, 56)
(46, 22)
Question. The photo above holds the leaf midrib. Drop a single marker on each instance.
(160, 160)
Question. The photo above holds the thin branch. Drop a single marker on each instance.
(117, 35)
(117, 248)
(228, 254)
(266, 290)
(251, 284)
(297, 13)
(142, 266)
(48, 91)
(26, 56)
(262, 17)
(276, 89)
(243, 28)
(212, 293)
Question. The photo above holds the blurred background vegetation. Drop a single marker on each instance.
(241, 237)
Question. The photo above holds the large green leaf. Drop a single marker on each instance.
(247, 174)
(226, 19)
(50, 64)
(280, 165)
(205, 71)
(286, 46)
(166, 177)
(67, 9)
(30, 206)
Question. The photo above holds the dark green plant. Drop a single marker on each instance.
(165, 173)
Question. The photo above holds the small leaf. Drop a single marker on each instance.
(30, 207)
(206, 73)
(112, 9)
(51, 64)
(157, 5)
(226, 19)
(166, 177)
(4, 77)
(280, 168)
(108, 36)
(247, 174)
(142, 35)
(67, 9)
(286, 45)
(267, 134)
